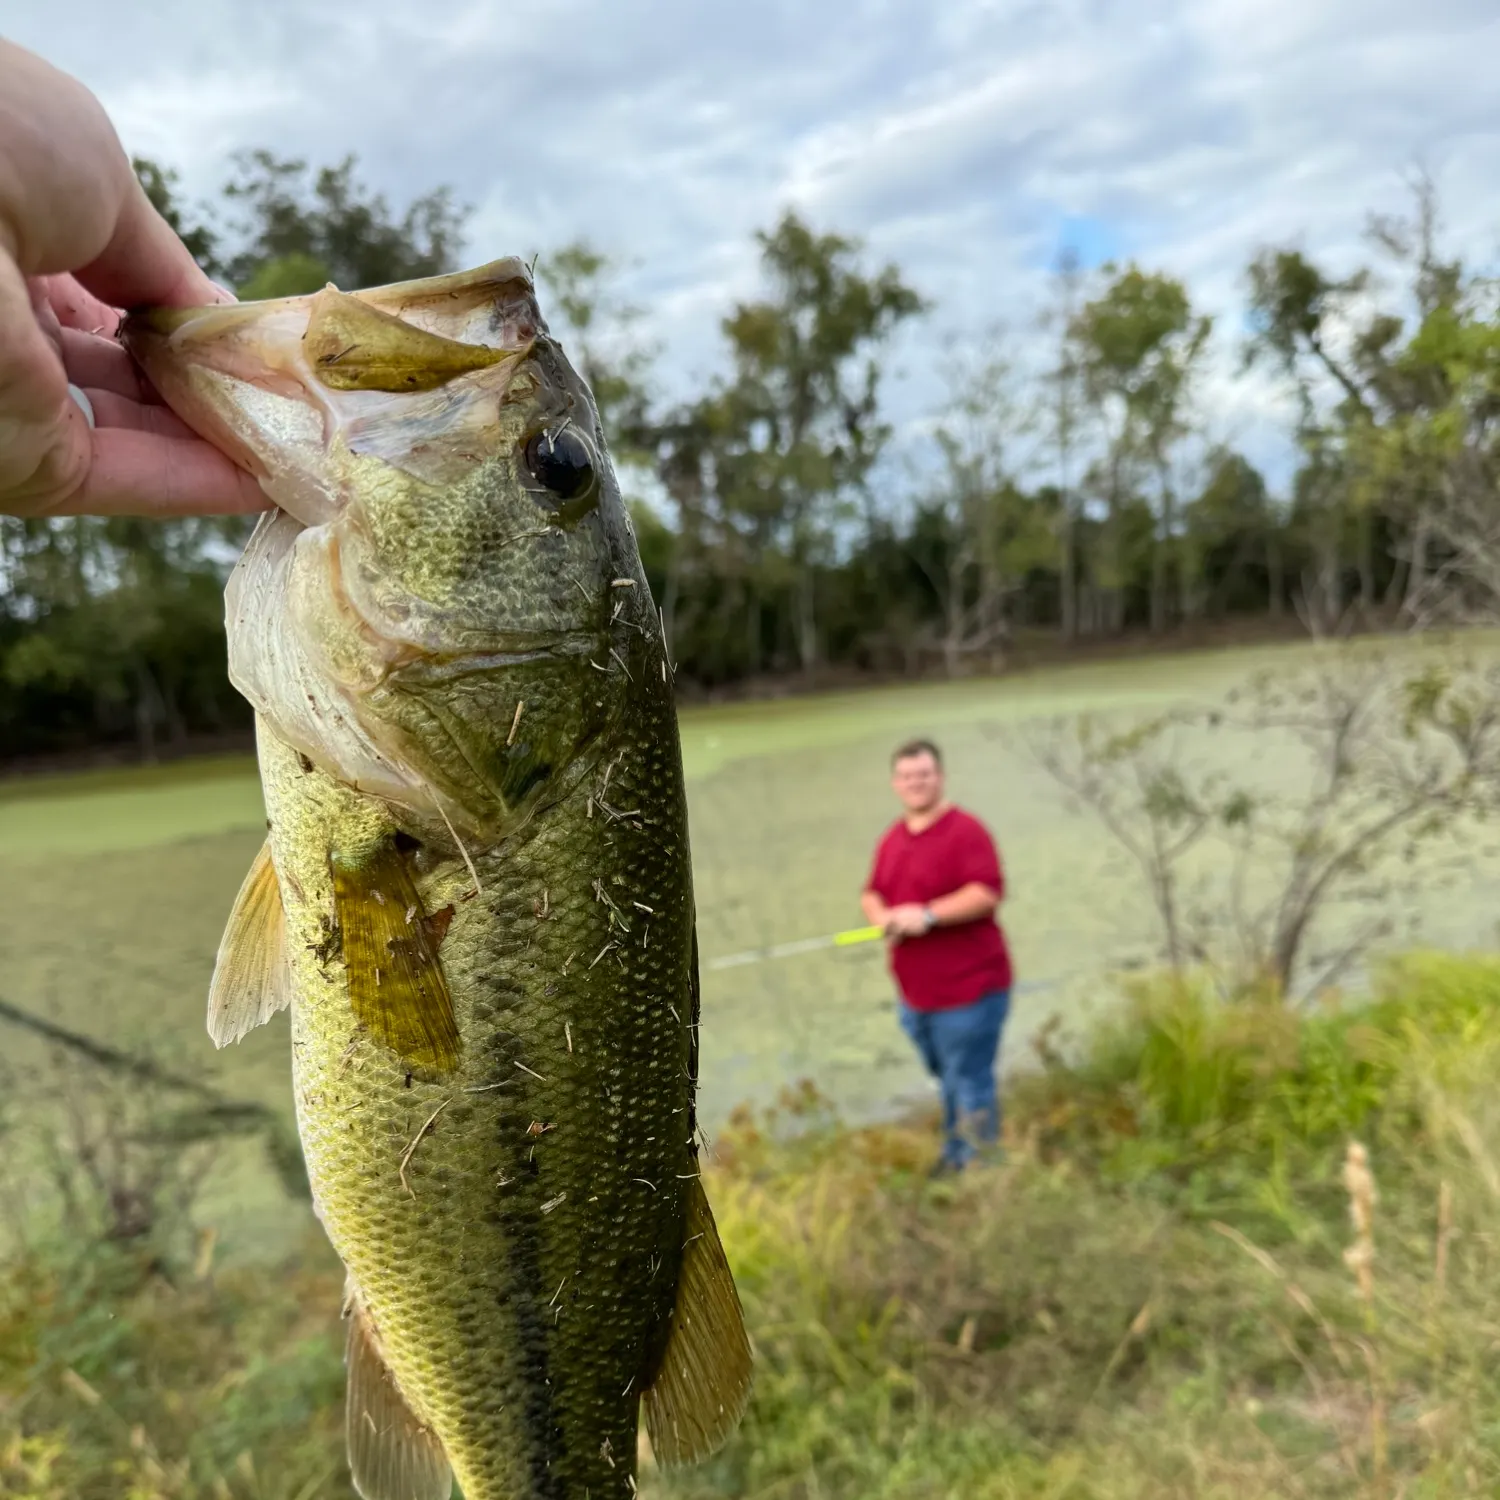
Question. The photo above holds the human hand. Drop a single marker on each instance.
(908, 920)
(79, 241)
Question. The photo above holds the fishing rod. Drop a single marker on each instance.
(849, 938)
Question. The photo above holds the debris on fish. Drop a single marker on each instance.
(453, 656)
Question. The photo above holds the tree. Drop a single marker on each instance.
(1295, 310)
(786, 540)
(1397, 393)
(797, 428)
(1433, 462)
(988, 532)
(1299, 317)
(1230, 527)
(300, 229)
(1396, 760)
(599, 330)
(113, 629)
(1140, 345)
(125, 627)
(1061, 413)
(1454, 447)
(160, 184)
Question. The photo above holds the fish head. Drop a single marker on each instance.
(432, 614)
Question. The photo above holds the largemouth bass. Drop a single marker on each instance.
(475, 894)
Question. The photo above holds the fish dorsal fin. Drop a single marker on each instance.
(390, 945)
(703, 1382)
(355, 347)
(251, 978)
(392, 1456)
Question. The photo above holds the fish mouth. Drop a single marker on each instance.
(517, 648)
(277, 385)
(462, 306)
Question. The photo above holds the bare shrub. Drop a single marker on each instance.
(1394, 758)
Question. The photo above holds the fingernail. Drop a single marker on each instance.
(225, 295)
(84, 404)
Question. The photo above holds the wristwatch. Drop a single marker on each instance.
(929, 917)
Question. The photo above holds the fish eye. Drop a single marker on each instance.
(561, 462)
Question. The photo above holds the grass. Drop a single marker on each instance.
(117, 884)
(1152, 1297)
(51, 785)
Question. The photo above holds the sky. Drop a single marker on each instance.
(970, 141)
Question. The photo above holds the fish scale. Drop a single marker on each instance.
(476, 895)
(475, 1353)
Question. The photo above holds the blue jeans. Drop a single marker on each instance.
(959, 1047)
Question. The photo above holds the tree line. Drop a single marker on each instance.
(1070, 484)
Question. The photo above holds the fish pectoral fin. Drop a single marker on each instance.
(396, 984)
(392, 1456)
(700, 1389)
(252, 980)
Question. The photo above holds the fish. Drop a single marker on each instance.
(475, 895)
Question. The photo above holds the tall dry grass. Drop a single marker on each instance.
(1233, 1251)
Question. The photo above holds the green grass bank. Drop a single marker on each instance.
(1180, 1282)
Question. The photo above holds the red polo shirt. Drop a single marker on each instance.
(949, 966)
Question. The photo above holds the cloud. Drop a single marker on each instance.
(967, 139)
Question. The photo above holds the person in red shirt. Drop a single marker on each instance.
(934, 888)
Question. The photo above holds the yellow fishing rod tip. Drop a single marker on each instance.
(857, 935)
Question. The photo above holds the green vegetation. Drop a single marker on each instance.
(1237, 1248)
(1061, 495)
(111, 630)
(1155, 1296)
(116, 897)
(1182, 1282)
(1389, 766)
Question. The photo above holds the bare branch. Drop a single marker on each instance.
(1391, 755)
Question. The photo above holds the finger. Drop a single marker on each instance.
(126, 415)
(77, 307)
(42, 311)
(44, 444)
(101, 364)
(69, 196)
(145, 264)
(64, 171)
(138, 474)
